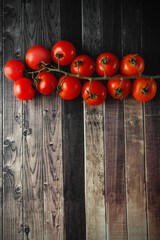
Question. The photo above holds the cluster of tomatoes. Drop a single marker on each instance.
(82, 68)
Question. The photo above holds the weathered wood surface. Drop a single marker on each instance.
(68, 170)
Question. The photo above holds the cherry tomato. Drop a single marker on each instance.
(36, 54)
(86, 66)
(66, 52)
(141, 91)
(110, 63)
(131, 63)
(69, 87)
(47, 84)
(23, 89)
(98, 92)
(14, 69)
(115, 90)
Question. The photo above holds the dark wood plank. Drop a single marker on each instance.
(134, 136)
(72, 123)
(1, 119)
(32, 133)
(151, 51)
(114, 132)
(12, 129)
(94, 131)
(52, 137)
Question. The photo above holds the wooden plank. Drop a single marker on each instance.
(94, 131)
(114, 133)
(1, 119)
(73, 139)
(52, 138)
(151, 51)
(12, 130)
(134, 138)
(32, 133)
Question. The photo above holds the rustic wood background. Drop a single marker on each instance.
(68, 170)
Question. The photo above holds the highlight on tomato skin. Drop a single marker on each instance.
(94, 93)
(14, 69)
(66, 52)
(116, 90)
(23, 89)
(141, 91)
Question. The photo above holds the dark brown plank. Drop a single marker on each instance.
(12, 130)
(151, 51)
(114, 132)
(32, 133)
(94, 131)
(134, 136)
(1, 118)
(72, 125)
(52, 137)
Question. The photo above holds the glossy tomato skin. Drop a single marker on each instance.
(23, 89)
(47, 84)
(140, 83)
(36, 54)
(129, 69)
(96, 87)
(113, 84)
(66, 49)
(111, 67)
(86, 68)
(70, 87)
(14, 69)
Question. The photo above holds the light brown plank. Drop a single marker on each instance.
(32, 133)
(94, 172)
(136, 202)
(12, 130)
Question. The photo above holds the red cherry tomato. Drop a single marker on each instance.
(111, 64)
(65, 50)
(36, 54)
(14, 69)
(98, 93)
(85, 64)
(69, 87)
(23, 89)
(47, 84)
(128, 65)
(115, 90)
(140, 92)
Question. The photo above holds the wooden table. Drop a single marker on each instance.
(69, 170)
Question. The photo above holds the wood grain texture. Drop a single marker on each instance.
(12, 130)
(32, 133)
(94, 132)
(152, 120)
(73, 139)
(52, 137)
(115, 187)
(1, 120)
(134, 138)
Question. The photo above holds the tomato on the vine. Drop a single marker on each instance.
(63, 50)
(144, 89)
(117, 90)
(68, 87)
(107, 63)
(37, 54)
(47, 83)
(83, 65)
(14, 69)
(23, 89)
(94, 93)
(132, 65)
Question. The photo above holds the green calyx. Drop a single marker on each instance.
(118, 92)
(78, 63)
(104, 60)
(133, 61)
(59, 55)
(58, 89)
